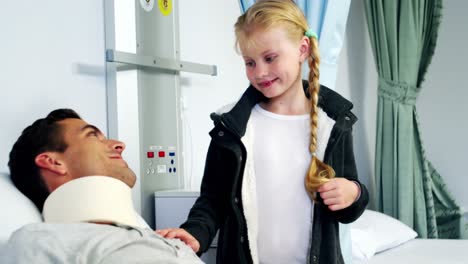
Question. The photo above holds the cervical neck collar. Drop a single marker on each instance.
(98, 199)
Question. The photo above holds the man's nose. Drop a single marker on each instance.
(118, 145)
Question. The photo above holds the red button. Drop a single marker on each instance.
(150, 154)
(161, 154)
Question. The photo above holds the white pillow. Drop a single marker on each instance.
(345, 243)
(141, 221)
(363, 247)
(374, 232)
(17, 209)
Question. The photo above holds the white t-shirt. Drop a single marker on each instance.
(281, 159)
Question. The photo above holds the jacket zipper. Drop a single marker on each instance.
(239, 216)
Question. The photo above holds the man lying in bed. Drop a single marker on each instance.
(77, 178)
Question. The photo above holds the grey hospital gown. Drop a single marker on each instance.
(93, 243)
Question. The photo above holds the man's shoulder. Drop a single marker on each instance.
(51, 242)
(62, 237)
(54, 230)
(30, 228)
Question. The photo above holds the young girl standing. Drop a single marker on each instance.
(265, 187)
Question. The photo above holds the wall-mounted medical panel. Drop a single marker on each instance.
(158, 64)
(157, 33)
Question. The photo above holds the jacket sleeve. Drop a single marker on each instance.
(343, 161)
(208, 211)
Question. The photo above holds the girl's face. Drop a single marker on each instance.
(273, 62)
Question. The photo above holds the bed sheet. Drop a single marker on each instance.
(427, 251)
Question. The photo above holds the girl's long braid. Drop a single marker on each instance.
(319, 172)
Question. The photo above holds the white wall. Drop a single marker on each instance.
(207, 36)
(356, 80)
(127, 92)
(52, 57)
(441, 105)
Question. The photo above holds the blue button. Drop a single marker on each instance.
(174, 170)
(172, 154)
(172, 161)
(170, 170)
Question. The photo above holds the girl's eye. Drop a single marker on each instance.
(249, 63)
(270, 59)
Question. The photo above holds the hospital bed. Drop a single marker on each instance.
(380, 239)
(447, 251)
(375, 238)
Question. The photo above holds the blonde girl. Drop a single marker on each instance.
(280, 170)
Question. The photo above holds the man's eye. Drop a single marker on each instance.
(93, 134)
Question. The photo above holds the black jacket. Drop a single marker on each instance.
(220, 205)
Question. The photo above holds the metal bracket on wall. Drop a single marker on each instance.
(159, 63)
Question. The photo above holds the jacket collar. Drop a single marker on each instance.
(331, 102)
(236, 119)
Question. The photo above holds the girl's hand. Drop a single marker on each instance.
(181, 234)
(339, 193)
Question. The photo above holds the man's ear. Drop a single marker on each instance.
(50, 161)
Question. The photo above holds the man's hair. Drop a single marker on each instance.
(43, 135)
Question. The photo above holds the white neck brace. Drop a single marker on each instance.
(99, 199)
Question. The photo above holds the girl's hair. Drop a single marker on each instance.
(264, 15)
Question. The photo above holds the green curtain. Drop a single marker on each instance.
(403, 35)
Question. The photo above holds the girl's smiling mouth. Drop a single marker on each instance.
(266, 84)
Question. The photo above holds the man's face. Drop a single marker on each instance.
(89, 153)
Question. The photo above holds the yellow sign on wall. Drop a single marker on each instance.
(165, 6)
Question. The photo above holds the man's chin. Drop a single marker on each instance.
(132, 179)
(126, 175)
